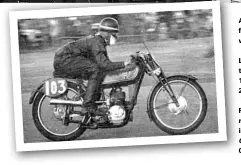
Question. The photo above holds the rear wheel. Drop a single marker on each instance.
(49, 118)
(181, 119)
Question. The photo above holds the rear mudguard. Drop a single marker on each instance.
(39, 89)
(35, 92)
(155, 86)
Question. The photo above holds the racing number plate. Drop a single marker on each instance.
(55, 87)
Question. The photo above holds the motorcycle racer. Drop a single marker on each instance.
(87, 58)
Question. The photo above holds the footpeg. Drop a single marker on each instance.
(87, 123)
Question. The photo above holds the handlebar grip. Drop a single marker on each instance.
(134, 55)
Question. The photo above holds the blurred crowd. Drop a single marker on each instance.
(154, 26)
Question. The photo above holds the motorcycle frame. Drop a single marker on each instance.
(146, 67)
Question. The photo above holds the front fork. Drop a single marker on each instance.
(163, 79)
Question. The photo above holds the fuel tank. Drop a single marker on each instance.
(127, 75)
(123, 77)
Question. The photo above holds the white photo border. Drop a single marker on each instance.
(119, 9)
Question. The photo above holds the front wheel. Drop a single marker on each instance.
(173, 118)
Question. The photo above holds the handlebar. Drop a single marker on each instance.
(138, 53)
(147, 57)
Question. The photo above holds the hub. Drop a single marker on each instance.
(59, 111)
(182, 105)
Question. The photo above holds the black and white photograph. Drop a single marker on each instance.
(117, 76)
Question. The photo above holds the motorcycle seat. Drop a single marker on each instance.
(62, 75)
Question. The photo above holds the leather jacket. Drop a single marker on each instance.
(92, 48)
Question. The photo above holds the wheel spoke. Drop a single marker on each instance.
(187, 114)
(162, 106)
(182, 90)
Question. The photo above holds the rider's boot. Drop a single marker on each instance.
(89, 100)
(87, 122)
(91, 95)
(93, 117)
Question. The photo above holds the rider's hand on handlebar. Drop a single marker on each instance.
(128, 61)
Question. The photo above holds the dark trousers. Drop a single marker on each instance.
(81, 67)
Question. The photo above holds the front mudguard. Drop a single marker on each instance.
(158, 84)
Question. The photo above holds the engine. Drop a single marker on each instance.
(117, 112)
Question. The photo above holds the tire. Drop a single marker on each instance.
(44, 130)
(189, 107)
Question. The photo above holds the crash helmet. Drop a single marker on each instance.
(109, 25)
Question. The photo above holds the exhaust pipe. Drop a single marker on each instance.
(65, 102)
(78, 103)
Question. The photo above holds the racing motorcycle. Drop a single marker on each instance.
(176, 104)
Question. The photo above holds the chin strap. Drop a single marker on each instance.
(98, 34)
